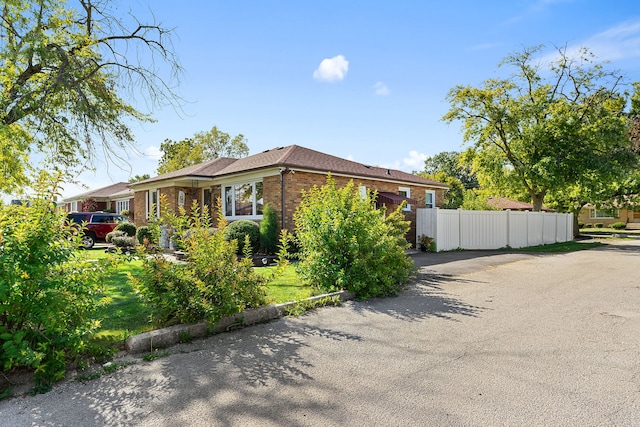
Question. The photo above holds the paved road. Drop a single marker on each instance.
(493, 340)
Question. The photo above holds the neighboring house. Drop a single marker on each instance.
(116, 197)
(513, 205)
(590, 215)
(277, 177)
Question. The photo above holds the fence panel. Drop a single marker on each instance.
(448, 229)
(518, 229)
(460, 229)
(426, 223)
(483, 229)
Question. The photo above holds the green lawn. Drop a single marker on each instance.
(607, 231)
(287, 287)
(570, 246)
(125, 315)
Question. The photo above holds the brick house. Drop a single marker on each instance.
(116, 197)
(277, 177)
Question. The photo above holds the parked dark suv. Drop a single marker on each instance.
(96, 225)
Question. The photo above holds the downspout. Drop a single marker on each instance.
(282, 174)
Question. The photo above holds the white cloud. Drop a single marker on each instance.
(619, 42)
(616, 43)
(381, 89)
(415, 161)
(332, 69)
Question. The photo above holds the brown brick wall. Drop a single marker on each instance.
(140, 205)
(294, 184)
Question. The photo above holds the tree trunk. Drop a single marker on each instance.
(537, 200)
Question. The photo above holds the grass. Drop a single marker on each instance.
(570, 246)
(287, 287)
(125, 315)
(607, 231)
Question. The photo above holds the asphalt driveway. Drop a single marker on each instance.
(487, 340)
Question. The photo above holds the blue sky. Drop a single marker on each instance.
(364, 80)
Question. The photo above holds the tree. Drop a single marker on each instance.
(138, 178)
(451, 163)
(547, 127)
(64, 72)
(203, 146)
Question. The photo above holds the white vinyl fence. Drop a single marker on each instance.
(461, 229)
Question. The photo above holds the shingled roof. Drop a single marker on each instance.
(202, 170)
(514, 205)
(294, 156)
(104, 192)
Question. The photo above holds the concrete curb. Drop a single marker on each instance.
(160, 338)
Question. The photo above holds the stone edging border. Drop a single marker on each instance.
(165, 337)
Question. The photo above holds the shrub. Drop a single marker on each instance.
(425, 242)
(598, 225)
(346, 243)
(123, 241)
(146, 232)
(114, 233)
(618, 225)
(48, 290)
(589, 225)
(269, 230)
(212, 284)
(126, 212)
(237, 230)
(127, 227)
(580, 224)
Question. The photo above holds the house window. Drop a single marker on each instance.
(243, 200)
(604, 213)
(122, 205)
(152, 207)
(363, 192)
(405, 192)
(74, 206)
(206, 197)
(430, 199)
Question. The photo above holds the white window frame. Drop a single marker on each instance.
(254, 201)
(593, 213)
(121, 205)
(431, 193)
(149, 203)
(73, 206)
(407, 192)
(363, 192)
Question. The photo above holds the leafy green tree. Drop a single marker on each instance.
(138, 178)
(547, 127)
(451, 163)
(203, 146)
(346, 243)
(63, 72)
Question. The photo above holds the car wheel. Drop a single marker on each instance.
(88, 241)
